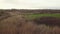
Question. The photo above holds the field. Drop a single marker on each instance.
(26, 22)
(32, 16)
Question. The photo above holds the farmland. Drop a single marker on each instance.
(29, 21)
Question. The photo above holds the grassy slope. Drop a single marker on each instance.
(32, 16)
(12, 24)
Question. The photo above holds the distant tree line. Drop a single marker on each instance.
(32, 11)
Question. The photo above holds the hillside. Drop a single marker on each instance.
(29, 21)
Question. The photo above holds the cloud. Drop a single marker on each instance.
(53, 4)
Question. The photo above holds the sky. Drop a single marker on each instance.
(29, 4)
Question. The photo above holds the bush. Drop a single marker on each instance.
(52, 21)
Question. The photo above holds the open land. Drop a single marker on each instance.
(23, 21)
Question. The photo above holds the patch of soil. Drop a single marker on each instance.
(48, 21)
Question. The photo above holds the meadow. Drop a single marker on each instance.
(15, 22)
(33, 16)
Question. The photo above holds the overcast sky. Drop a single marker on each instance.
(30, 4)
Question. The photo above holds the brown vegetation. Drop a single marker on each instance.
(48, 21)
(18, 24)
(4, 15)
(32, 11)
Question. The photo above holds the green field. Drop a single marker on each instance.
(32, 16)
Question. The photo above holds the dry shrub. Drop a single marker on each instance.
(51, 21)
(41, 29)
(19, 25)
(4, 15)
(9, 25)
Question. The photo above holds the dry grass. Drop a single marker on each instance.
(9, 25)
(19, 25)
